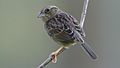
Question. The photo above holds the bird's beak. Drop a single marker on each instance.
(40, 15)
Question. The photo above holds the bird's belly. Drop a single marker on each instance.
(62, 37)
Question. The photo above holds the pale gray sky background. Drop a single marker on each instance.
(25, 44)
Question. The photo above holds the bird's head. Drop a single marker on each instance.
(48, 12)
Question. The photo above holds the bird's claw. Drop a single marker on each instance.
(54, 57)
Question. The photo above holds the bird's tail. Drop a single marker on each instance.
(85, 46)
(89, 51)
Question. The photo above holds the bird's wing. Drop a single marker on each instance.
(72, 22)
(69, 20)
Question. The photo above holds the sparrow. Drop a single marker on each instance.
(64, 29)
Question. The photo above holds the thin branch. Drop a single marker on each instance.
(83, 15)
(49, 59)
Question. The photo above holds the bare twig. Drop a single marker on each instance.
(49, 59)
(83, 15)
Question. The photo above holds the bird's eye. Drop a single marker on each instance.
(47, 10)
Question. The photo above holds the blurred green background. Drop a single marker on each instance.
(25, 44)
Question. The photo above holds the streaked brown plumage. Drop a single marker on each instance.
(64, 29)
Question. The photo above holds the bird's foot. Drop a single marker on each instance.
(54, 57)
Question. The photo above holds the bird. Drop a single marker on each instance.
(65, 30)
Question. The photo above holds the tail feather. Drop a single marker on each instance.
(89, 51)
(86, 47)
